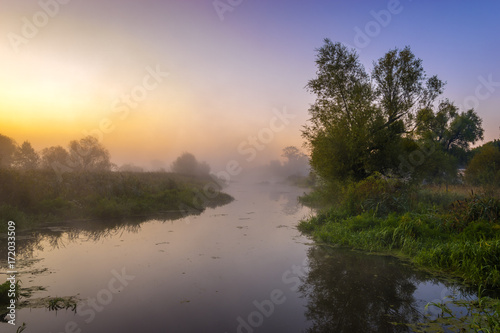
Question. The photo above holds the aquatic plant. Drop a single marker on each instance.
(59, 303)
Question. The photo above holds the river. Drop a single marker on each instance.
(242, 267)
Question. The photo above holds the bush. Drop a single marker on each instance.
(377, 194)
(475, 208)
(484, 168)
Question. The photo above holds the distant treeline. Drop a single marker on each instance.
(86, 154)
(81, 182)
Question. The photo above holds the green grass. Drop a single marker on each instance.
(441, 230)
(453, 233)
(29, 197)
(425, 238)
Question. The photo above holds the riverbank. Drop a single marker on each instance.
(31, 197)
(450, 232)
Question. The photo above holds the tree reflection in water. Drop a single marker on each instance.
(349, 291)
(58, 234)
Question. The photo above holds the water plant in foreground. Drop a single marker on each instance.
(59, 303)
(482, 315)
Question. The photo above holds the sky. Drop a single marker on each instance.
(224, 80)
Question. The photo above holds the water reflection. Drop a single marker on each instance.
(57, 235)
(288, 199)
(214, 268)
(353, 292)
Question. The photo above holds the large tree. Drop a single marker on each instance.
(359, 123)
(25, 157)
(188, 164)
(88, 154)
(54, 157)
(342, 114)
(7, 149)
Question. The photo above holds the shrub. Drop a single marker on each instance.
(377, 194)
(484, 168)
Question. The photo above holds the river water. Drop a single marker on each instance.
(242, 267)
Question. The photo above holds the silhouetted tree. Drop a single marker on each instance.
(7, 149)
(188, 164)
(88, 154)
(54, 157)
(361, 124)
(296, 162)
(25, 157)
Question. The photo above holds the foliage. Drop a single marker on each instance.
(21, 328)
(7, 149)
(53, 156)
(88, 154)
(475, 208)
(342, 115)
(362, 124)
(484, 168)
(25, 157)
(324, 195)
(377, 194)
(357, 124)
(448, 127)
(448, 134)
(187, 164)
(38, 195)
(462, 238)
(59, 303)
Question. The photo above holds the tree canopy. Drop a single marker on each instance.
(484, 168)
(54, 156)
(25, 157)
(88, 154)
(7, 149)
(365, 123)
(187, 164)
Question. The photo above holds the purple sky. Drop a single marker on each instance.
(225, 76)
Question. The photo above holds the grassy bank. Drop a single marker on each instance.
(28, 197)
(451, 232)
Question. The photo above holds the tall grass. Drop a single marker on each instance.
(38, 195)
(441, 230)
